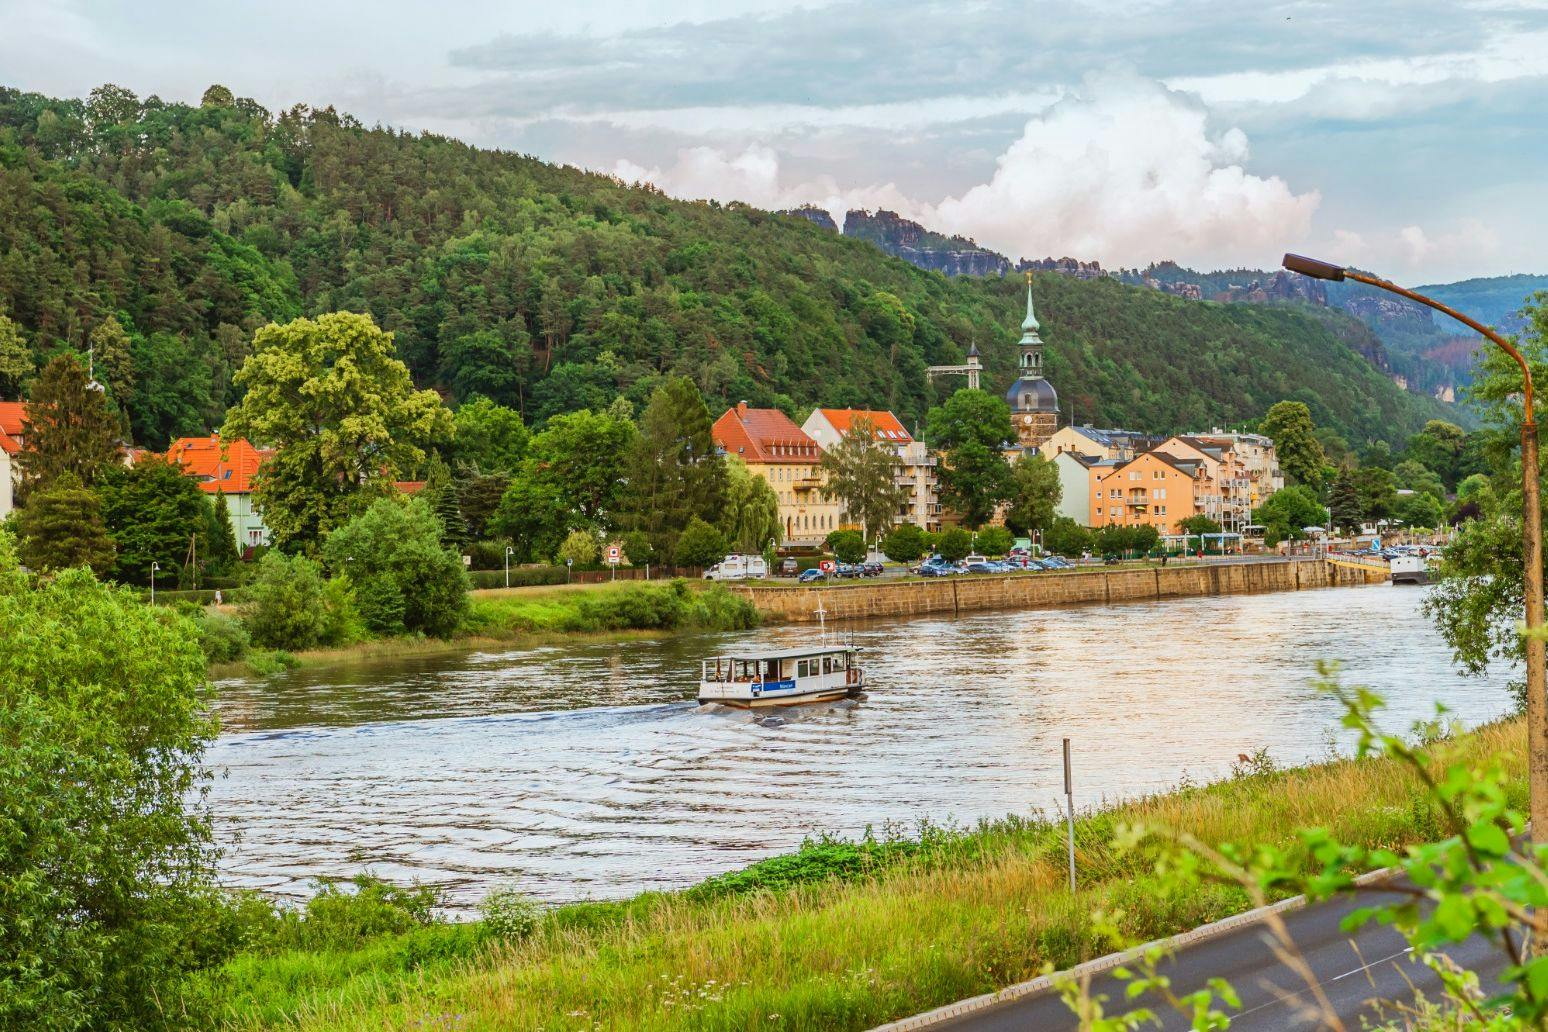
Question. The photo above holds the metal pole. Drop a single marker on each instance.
(154, 568)
(1069, 811)
(507, 566)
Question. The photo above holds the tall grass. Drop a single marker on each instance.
(626, 607)
(845, 935)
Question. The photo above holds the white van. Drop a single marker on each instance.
(738, 567)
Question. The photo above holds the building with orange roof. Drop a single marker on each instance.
(780, 452)
(1154, 487)
(226, 466)
(916, 466)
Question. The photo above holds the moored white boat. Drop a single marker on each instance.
(782, 677)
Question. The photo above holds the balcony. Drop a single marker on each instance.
(807, 484)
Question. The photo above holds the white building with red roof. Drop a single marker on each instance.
(916, 466)
(12, 415)
(226, 466)
(780, 452)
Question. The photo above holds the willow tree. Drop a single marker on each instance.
(330, 396)
(750, 517)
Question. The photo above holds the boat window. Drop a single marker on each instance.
(803, 668)
(827, 664)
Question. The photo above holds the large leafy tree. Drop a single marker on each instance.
(1289, 424)
(1037, 493)
(488, 438)
(534, 517)
(1378, 492)
(674, 472)
(1415, 476)
(1288, 512)
(406, 578)
(972, 428)
(107, 867)
(61, 527)
(1440, 447)
(153, 512)
(332, 398)
(750, 517)
(583, 458)
(861, 472)
(69, 427)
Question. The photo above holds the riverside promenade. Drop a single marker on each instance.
(1049, 589)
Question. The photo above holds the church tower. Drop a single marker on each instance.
(1034, 404)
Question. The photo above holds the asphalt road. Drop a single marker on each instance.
(1351, 973)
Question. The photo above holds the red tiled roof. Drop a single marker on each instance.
(409, 487)
(8, 443)
(223, 466)
(886, 424)
(764, 435)
(12, 415)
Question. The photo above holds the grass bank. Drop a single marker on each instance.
(840, 935)
(535, 616)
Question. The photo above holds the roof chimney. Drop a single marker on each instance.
(741, 409)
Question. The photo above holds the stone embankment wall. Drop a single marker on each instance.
(861, 599)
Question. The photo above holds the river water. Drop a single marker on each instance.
(587, 771)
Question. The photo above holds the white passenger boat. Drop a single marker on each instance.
(783, 677)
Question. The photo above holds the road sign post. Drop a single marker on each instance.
(614, 557)
(1069, 811)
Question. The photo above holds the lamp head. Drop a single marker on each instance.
(1313, 267)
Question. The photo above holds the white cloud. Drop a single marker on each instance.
(1124, 171)
(1413, 248)
(1127, 171)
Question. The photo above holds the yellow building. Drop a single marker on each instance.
(780, 452)
(1153, 488)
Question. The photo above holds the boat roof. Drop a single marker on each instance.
(795, 653)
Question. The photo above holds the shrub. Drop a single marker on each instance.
(222, 637)
(995, 541)
(905, 544)
(404, 578)
(580, 548)
(267, 662)
(107, 866)
(342, 622)
(700, 545)
(954, 544)
(1066, 537)
(284, 607)
(345, 914)
(848, 545)
(509, 914)
(487, 555)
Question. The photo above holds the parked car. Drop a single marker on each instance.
(813, 574)
(788, 567)
(975, 558)
(1056, 562)
(930, 570)
(982, 566)
(848, 570)
(872, 569)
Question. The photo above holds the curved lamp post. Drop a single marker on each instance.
(1531, 532)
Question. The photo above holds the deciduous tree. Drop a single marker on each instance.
(674, 472)
(1300, 453)
(861, 472)
(108, 866)
(700, 544)
(488, 438)
(904, 544)
(750, 517)
(1037, 494)
(152, 512)
(405, 576)
(15, 358)
(332, 398)
(973, 427)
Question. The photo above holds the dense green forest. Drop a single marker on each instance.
(165, 234)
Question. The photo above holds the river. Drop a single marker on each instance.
(587, 771)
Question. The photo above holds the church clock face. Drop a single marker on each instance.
(1026, 420)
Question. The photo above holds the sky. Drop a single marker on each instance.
(1405, 136)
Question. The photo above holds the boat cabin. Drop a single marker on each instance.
(809, 674)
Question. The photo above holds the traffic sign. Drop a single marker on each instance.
(614, 555)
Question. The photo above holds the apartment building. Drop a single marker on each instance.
(916, 466)
(780, 452)
(1155, 488)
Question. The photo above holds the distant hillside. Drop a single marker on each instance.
(902, 238)
(551, 289)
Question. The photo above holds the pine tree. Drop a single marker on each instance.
(223, 551)
(69, 428)
(15, 358)
(441, 493)
(675, 474)
(62, 527)
(1345, 505)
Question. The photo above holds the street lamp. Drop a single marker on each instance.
(1531, 532)
(154, 567)
(508, 551)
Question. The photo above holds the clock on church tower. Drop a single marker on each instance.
(1034, 403)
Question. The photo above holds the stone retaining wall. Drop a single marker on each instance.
(864, 599)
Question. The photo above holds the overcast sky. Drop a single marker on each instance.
(1409, 136)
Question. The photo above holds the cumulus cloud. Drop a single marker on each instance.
(1125, 171)
(1464, 243)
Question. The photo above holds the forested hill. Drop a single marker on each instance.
(551, 289)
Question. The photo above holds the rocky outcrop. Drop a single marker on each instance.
(908, 240)
(1072, 267)
(1389, 313)
(813, 214)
